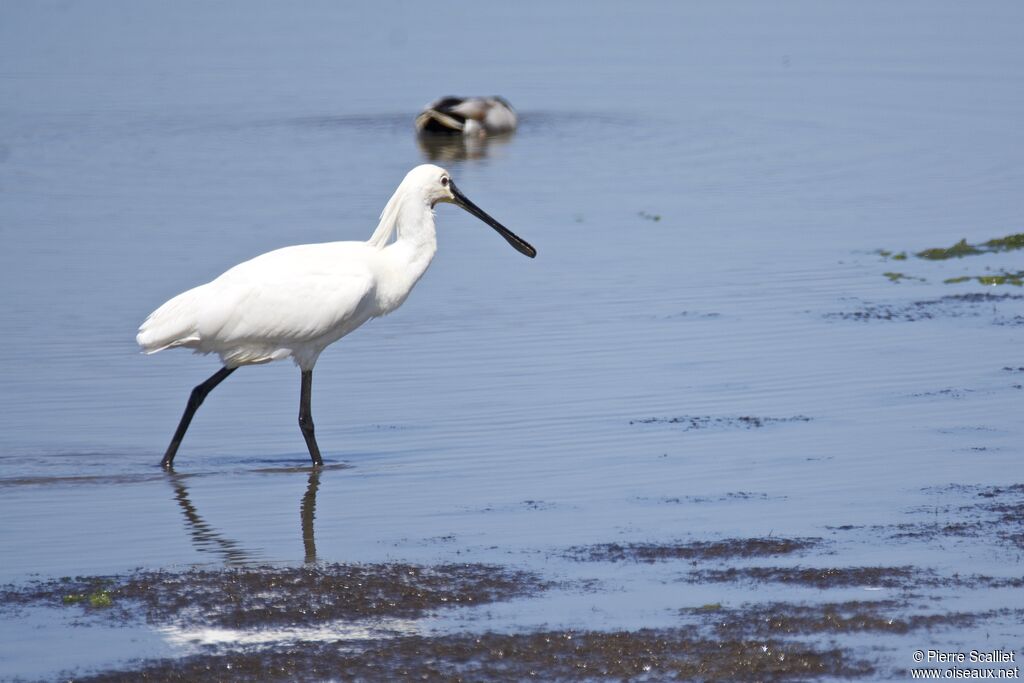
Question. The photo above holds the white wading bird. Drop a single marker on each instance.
(468, 116)
(294, 302)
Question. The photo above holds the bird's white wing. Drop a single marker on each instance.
(289, 296)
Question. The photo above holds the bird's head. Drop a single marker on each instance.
(435, 185)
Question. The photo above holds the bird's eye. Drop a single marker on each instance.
(444, 181)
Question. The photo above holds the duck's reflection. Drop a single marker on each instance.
(206, 539)
(445, 148)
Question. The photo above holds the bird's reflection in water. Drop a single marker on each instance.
(307, 511)
(206, 539)
(444, 148)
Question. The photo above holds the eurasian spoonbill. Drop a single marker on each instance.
(294, 302)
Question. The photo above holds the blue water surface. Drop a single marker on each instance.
(708, 186)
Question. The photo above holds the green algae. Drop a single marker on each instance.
(897, 277)
(961, 249)
(958, 250)
(1008, 243)
(1004, 278)
(964, 248)
(101, 599)
(709, 607)
(97, 599)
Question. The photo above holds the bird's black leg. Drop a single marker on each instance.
(306, 418)
(195, 400)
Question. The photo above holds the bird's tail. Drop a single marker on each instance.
(173, 324)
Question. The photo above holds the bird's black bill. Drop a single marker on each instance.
(521, 245)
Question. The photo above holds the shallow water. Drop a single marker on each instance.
(707, 187)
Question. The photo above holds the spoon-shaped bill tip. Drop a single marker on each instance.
(521, 245)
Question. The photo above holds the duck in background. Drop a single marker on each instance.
(467, 116)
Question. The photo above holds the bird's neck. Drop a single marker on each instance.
(413, 219)
(413, 249)
(415, 226)
(408, 257)
(416, 241)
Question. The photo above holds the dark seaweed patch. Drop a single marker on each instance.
(667, 654)
(952, 306)
(692, 314)
(851, 577)
(239, 598)
(729, 496)
(831, 577)
(991, 511)
(692, 422)
(776, 619)
(949, 392)
(695, 550)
